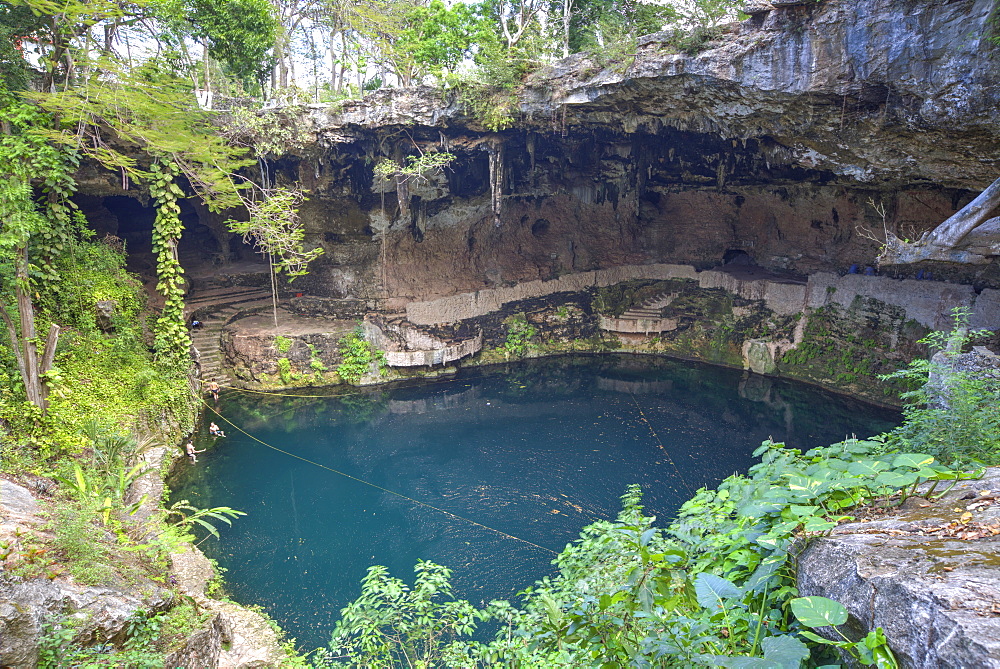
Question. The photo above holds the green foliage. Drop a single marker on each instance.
(814, 612)
(315, 363)
(268, 134)
(285, 370)
(149, 637)
(391, 624)
(414, 167)
(282, 344)
(358, 356)
(951, 414)
(519, 335)
(274, 228)
(16, 22)
(172, 338)
(240, 33)
(76, 545)
(189, 517)
(490, 95)
(433, 38)
(607, 29)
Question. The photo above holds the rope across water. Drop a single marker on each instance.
(373, 485)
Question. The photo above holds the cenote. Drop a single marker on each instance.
(534, 450)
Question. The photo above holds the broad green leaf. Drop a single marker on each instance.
(818, 611)
(896, 479)
(915, 460)
(745, 663)
(818, 524)
(803, 510)
(758, 509)
(767, 568)
(867, 468)
(787, 651)
(711, 589)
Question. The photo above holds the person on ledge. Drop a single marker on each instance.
(189, 449)
(213, 388)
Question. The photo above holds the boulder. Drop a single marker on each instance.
(105, 312)
(26, 605)
(926, 574)
(103, 612)
(202, 648)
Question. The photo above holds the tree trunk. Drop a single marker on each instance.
(274, 289)
(567, 15)
(48, 357)
(944, 242)
(967, 218)
(26, 310)
(24, 345)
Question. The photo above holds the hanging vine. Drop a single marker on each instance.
(172, 339)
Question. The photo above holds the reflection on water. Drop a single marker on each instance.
(536, 450)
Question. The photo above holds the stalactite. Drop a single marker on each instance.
(529, 142)
(496, 180)
(403, 195)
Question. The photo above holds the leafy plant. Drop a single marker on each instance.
(189, 516)
(282, 344)
(172, 338)
(358, 357)
(816, 612)
(519, 335)
(285, 370)
(392, 624)
(950, 413)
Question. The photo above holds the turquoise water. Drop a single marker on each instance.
(535, 450)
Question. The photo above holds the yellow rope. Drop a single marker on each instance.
(332, 395)
(378, 487)
(659, 442)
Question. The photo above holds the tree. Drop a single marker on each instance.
(971, 235)
(26, 154)
(433, 39)
(239, 33)
(17, 22)
(275, 230)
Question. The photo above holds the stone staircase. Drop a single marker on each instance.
(215, 307)
(645, 318)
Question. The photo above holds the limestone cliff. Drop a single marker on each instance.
(783, 140)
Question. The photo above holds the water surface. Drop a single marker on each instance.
(534, 450)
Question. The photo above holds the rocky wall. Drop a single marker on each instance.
(929, 303)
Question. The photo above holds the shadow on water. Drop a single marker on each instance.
(536, 450)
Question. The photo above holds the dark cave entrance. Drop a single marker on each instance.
(205, 245)
(737, 257)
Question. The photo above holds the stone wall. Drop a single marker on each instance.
(929, 303)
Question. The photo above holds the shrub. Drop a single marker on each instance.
(519, 335)
(951, 414)
(358, 356)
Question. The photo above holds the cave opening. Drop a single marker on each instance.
(737, 257)
(204, 246)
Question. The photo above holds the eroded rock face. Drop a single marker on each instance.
(27, 604)
(935, 593)
(784, 139)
